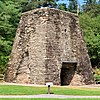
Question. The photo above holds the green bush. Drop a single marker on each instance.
(97, 75)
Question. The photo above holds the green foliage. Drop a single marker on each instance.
(97, 71)
(72, 7)
(97, 78)
(9, 18)
(24, 5)
(1, 77)
(92, 7)
(97, 75)
(46, 3)
(27, 5)
(89, 21)
(62, 7)
(91, 29)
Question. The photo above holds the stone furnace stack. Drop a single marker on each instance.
(49, 47)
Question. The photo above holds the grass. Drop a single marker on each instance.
(50, 99)
(31, 90)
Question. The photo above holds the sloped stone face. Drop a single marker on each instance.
(44, 40)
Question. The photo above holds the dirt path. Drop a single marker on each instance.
(87, 86)
(46, 96)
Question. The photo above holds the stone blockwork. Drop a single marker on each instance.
(48, 44)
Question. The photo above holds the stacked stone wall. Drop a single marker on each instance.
(44, 40)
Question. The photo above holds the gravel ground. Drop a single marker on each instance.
(47, 96)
